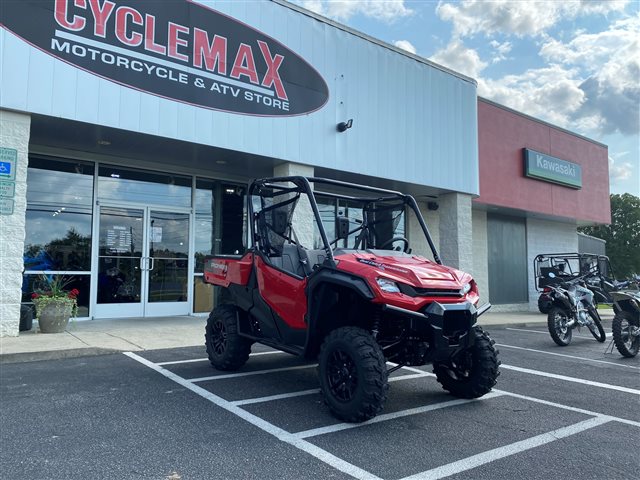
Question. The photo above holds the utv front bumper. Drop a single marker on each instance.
(446, 327)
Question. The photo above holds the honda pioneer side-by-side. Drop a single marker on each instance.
(329, 274)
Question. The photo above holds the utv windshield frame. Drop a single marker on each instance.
(281, 186)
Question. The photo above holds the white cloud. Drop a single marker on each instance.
(387, 10)
(501, 50)
(552, 93)
(458, 57)
(520, 18)
(619, 172)
(610, 62)
(405, 45)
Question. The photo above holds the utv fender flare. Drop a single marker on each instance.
(318, 282)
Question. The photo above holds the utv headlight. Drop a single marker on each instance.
(465, 289)
(387, 285)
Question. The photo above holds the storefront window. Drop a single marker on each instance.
(143, 187)
(219, 217)
(58, 219)
(58, 226)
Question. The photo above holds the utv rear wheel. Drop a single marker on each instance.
(226, 349)
(353, 374)
(626, 334)
(473, 372)
(557, 323)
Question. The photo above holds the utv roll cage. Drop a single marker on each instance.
(271, 226)
(569, 266)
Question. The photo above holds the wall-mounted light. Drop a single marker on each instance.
(344, 126)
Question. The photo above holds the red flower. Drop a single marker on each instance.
(35, 295)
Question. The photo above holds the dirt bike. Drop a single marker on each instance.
(572, 307)
(626, 323)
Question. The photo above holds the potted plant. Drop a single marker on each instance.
(54, 304)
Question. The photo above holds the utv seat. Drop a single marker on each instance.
(290, 260)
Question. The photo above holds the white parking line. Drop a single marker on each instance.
(607, 334)
(506, 451)
(571, 379)
(301, 393)
(194, 360)
(567, 356)
(277, 432)
(247, 374)
(571, 408)
(390, 416)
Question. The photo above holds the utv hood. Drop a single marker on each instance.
(414, 270)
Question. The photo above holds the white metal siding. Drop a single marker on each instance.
(412, 122)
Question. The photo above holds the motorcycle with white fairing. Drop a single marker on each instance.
(572, 307)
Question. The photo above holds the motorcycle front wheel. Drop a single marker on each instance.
(595, 326)
(560, 332)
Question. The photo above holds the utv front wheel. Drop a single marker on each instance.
(226, 349)
(353, 374)
(473, 372)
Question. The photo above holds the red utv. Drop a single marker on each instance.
(356, 299)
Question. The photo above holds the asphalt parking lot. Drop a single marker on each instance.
(556, 413)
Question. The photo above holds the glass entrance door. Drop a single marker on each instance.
(167, 264)
(143, 262)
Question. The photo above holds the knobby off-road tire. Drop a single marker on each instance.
(557, 323)
(596, 328)
(353, 374)
(226, 349)
(623, 322)
(472, 373)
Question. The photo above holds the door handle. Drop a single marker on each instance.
(153, 263)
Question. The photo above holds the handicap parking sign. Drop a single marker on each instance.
(5, 169)
(8, 161)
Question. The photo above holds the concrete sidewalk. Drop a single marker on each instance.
(96, 337)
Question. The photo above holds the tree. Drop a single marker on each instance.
(623, 235)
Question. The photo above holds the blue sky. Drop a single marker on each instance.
(573, 63)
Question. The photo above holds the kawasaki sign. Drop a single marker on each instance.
(178, 49)
(545, 167)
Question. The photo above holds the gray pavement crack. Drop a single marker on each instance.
(78, 338)
(125, 340)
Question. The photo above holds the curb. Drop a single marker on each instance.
(24, 357)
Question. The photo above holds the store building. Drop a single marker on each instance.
(129, 131)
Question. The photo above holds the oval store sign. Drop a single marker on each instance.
(175, 49)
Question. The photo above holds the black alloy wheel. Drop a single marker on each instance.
(226, 349)
(342, 375)
(353, 374)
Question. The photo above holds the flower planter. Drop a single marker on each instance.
(54, 318)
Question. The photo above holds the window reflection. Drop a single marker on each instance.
(58, 217)
(144, 187)
(219, 219)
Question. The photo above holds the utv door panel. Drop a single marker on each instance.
(285, 294)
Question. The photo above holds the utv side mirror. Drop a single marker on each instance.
(342, 227)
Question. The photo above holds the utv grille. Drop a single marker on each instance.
(429, 292)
